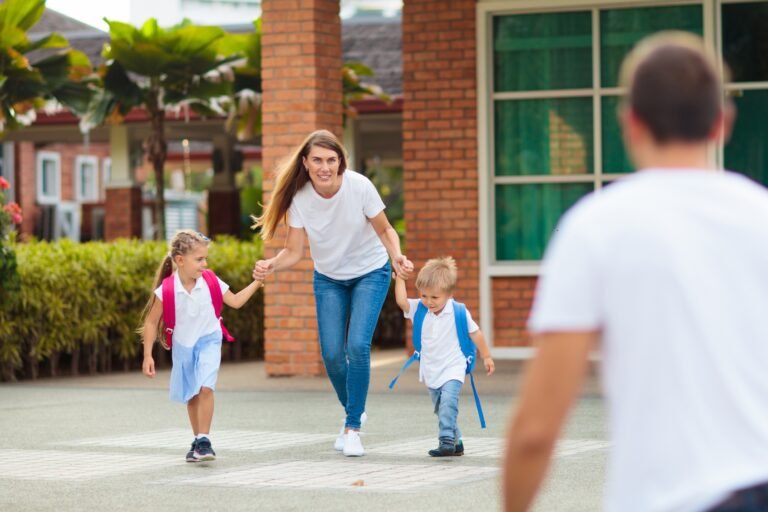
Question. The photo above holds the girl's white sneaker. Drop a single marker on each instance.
(338, 445)
(353, 446)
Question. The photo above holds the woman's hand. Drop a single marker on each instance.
(403, 267)
(262, 269)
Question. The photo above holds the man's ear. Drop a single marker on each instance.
(724, 125)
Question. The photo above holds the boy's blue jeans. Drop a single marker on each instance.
(446, 402)
(347, 312)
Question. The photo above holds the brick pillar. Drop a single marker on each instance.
(301, 80)
(223, 212)
(122, 216)
(440, 138)
(25, 168)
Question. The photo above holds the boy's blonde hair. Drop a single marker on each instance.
(438, 273)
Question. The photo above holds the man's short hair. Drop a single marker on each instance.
(674, 87)
(437, 273)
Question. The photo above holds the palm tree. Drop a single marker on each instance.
(184, 66)
(33, 73)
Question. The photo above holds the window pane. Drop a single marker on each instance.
(747, 151)
(620, 29)
(532, 52)
(526, 216)
(547, 136)
(615, 158)
(745, 37)
(49, 178)
(87, 180)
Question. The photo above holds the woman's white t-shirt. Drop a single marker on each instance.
(195, 317)
(342, 241)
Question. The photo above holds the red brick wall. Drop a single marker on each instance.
(122, 218)
(512, 297)
(440, 138)
(301, 62)
(26, 178)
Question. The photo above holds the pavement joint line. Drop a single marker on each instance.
(339, 475)
(485, 447)
(68, 465)
(233, 440)
(378, 363)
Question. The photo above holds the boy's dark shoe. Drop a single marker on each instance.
(204, 450)
(447, 448)
(191, 452)
(459, 448)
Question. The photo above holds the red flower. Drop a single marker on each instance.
(13, 208)
(4, 183)
(16, 218)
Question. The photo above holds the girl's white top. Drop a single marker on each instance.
(441, 356)
(194, 311)
(342, 241)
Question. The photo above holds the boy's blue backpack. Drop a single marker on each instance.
(468, 347)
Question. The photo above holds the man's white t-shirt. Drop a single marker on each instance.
(441, 357)
(342, 241)
(672, 266)
(195, 317)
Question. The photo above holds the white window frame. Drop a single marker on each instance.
(92, 194)
(490, 267)
(55, 157)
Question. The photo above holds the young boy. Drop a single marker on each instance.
(442, 365)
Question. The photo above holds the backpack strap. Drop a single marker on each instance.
(469, 350)
(217, 299)
(169, 309)
(418, 322)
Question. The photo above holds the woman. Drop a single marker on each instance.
(351, 242)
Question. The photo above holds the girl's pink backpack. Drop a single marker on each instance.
(169, 305)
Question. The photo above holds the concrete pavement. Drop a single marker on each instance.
(116, 442)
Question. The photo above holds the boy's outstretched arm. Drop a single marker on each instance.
(237, 300)
(482, 348)
(401, 294)
(150, 335)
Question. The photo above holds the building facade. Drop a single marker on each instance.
(509, 117)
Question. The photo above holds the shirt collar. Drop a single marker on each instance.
(447, 310)
(179, 288)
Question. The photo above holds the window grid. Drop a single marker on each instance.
(86, 178)
(598, 177)
(48, 177)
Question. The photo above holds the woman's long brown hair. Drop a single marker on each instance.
(290, 177)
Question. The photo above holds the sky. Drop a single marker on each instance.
(92, 11)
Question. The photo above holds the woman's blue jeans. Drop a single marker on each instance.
(347, 312)
(446, 402)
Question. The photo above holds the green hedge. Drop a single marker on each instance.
(80, 304)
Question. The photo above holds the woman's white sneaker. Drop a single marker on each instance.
(353, 446)
(338, 445)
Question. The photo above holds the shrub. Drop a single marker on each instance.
(81, 303)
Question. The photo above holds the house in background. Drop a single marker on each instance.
(509, 117)
(63, 177)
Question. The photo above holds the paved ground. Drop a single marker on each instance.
(117, 443)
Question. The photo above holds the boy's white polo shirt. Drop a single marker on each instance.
(441, 356)
(194, 310)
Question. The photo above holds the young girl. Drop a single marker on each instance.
(196, 337)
